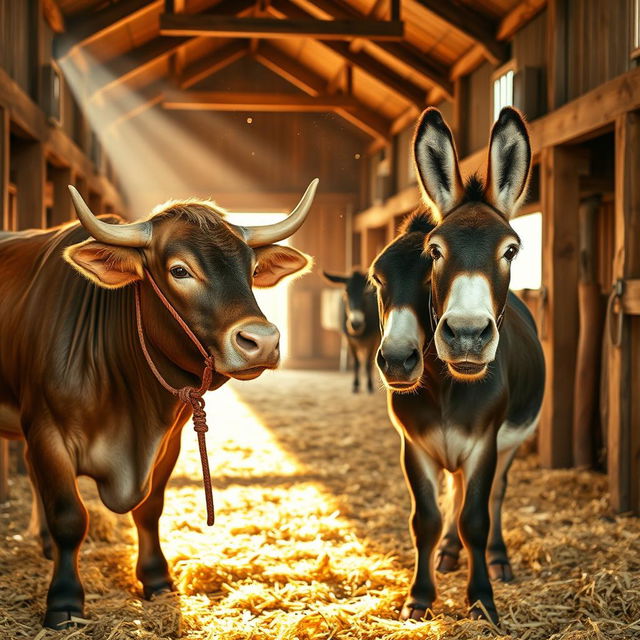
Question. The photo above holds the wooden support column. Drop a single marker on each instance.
(622, 367)
(30, 176)
(5, 159)
(5, 141)
(62, 210)
(556, 54)
(559, 172)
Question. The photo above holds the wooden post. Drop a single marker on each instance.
(62, 210)
(559, 169)
(5, 141)
(623, 401)
(460, 119)
(556, 54)
(30, 166)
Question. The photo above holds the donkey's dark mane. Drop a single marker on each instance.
(474, 189)
(419, 220)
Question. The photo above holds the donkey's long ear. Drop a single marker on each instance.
(509, 162)
(437, 164)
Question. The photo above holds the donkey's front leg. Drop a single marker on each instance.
(426, 526)
(474, 525)
(450, 545)
(67, 520)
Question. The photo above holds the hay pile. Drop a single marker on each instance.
(311, 539)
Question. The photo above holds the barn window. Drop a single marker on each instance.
(526, 269)
(502, 90)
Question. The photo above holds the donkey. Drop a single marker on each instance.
(459, 355)
(360, 323)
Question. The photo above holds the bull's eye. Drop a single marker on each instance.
(434, 252)
(511, 252)
(179, 272)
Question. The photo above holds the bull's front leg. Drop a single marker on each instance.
(151, 568)
(67, 520)
(474, 523)
(426, 525)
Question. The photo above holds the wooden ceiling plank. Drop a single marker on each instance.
(379, 71)
(518, 17)
(472, 24)
(291, 70)
(85, 28)
(414, 59)
(213, 63)
(230, 27)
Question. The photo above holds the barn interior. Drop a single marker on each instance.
(136, 102)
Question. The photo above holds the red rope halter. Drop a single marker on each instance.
(188, 395)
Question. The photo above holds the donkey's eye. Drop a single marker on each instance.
(179, 272)
(434, 252)
(511, 252)
(376, 279)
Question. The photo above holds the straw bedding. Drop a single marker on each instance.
(312, 541)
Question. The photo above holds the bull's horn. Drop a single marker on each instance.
(269, 233)
(136, 234)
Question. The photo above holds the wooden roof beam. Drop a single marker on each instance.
(473, 24)
(314, 85)
(230, 27)
(216, 61)
(411, 57)
(86, 27)
(131, 63)
(242, 101)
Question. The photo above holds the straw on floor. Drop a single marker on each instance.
(311, 538)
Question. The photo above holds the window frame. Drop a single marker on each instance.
(510, 66)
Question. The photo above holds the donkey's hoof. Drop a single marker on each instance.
(151, 591)
(486, 612)
(413, 610)
(446, 561)
(61, 619)
(501, 571)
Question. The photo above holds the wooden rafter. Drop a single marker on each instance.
(303, 78)
(406, 54)
(472, 23)
(85, 28)
(230, 27)
(216, 61)
(243, 101)
(135, 61)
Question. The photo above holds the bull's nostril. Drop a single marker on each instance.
(447, 332)
(411, 362)
(246, 343)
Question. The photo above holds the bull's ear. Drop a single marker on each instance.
(334, 277)
(509, 162)
(276, 262)
(104, 264)
(436, 163)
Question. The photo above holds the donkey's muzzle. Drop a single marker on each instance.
(399, 367)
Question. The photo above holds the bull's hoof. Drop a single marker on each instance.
(151, 591)
(414, 610)
(61, 619)
(502, 571)
(486, 612)
(446, 561)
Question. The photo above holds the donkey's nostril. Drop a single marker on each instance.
(411, 362)
(381, 362)
(447, 332)
(246, 342)
(487, 333)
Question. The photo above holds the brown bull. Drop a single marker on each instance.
(74, 381)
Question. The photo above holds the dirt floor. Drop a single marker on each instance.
(311, 539)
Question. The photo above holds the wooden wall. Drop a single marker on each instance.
(478, 108)
(598, 43)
